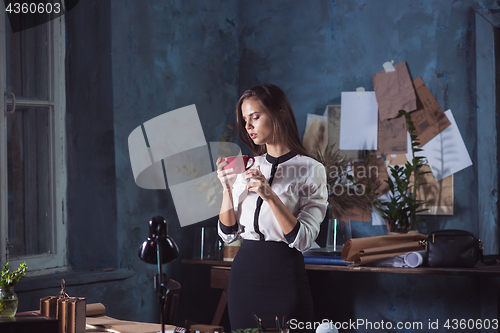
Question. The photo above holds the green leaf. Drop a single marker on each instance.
(12, 278)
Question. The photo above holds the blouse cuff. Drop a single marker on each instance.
(228, 230)
(290, 237)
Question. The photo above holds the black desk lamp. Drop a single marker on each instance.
(159, 249)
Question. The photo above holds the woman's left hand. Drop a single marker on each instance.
(260, 186)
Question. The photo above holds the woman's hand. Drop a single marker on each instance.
(226, 177)
(260, 186)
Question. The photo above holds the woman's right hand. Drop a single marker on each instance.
(226, 177)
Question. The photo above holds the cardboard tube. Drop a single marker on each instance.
(95, 309)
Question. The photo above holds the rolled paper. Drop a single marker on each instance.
(95, 309)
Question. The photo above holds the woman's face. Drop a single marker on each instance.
(258, 124)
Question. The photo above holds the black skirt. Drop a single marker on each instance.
(268, 279)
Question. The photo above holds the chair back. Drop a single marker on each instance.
(172, 301)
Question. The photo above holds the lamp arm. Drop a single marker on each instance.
(160, 285)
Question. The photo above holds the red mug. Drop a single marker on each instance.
(239, 163)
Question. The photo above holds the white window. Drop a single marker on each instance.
(33, 146)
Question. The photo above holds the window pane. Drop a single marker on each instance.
(27, 62)
(29, 190)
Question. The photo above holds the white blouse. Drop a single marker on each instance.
(300, 183)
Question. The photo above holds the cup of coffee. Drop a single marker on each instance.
(239, 163)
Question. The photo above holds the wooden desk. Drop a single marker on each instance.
(479, 270)
(219, 274)
(99, 323)
(29, 322)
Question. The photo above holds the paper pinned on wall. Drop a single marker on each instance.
(409, 156)
(437, 195)
(396, 159)
(316, 134)
(429, 118)
(377, 219)
(394, 91)
(446, 152)
(332, 112)
(325, 114)
(356, 214)
(391, 136)
(358, 121)
(375, 172)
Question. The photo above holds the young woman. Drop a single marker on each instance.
(276, 209)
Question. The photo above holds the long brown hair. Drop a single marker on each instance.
(279, 109)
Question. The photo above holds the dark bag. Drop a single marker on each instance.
(453, 248)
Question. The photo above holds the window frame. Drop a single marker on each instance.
(56, 260)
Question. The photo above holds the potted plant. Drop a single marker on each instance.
(401, 209)
(8, 297)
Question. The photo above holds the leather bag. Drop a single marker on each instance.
(453, 248)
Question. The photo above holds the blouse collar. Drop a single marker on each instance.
(281, 159)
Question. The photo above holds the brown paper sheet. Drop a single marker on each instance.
(367, 249)
(356, 214)
(124, 326)
(438, 195)
(396, 159)
(376, 172)
(394, 91)
(95, 309)
(429, 118)
(206, 328)
(316, 134)
(391, 136)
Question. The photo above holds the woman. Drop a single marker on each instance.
(276, 208)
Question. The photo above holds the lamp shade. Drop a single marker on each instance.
(158, 233)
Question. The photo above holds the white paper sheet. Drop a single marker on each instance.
(358, 121)
(446, 152)
(409, 156)
(377, 219)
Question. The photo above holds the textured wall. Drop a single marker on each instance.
(167, 55)
(316, 50)
(91, 194)
(130, 61)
